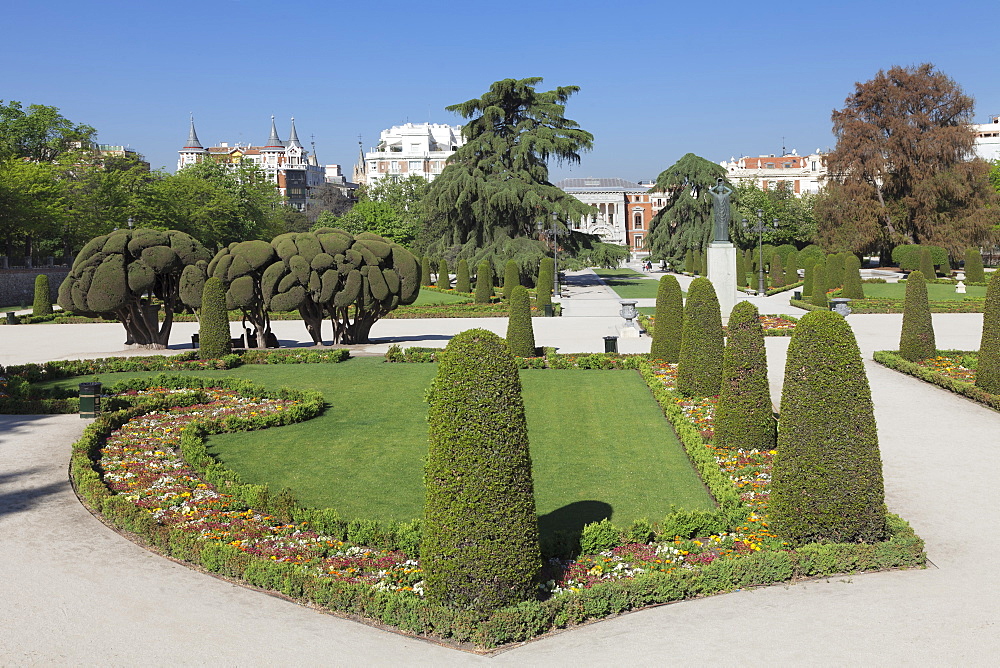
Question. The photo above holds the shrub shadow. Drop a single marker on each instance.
(559, 531)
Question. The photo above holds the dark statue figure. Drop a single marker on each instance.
(720, 211)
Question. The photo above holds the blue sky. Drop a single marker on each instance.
(657, 81)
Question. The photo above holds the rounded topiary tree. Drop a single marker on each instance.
(462, 282)
(520, 333)
(484, 283)
(213, 329)
(444, 278)
(853, 288)
(988, 369)
(819, 286)
(927, 263)
(511, 278)
(479, 546)
(669, 320)
(425, 272)
(916, 339)
(826, 481)
(744, 416)
(974, 272)
(776, 271)
(42, 304)
(699, 368)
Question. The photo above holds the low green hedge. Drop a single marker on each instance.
(868, 305)
(893, 360)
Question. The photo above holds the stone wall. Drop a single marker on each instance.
(17, 286)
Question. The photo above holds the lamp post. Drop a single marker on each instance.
(555, 255)
(759, 228)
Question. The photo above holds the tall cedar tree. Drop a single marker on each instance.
(699, 368)
(974, 266)
(853, 289)
(927, 264)
(686, 222)
(988, 371)
(498, 181)
(916, 339)
(902, 170)
(777, 271)
(826, 481)
(444, 277)
(425, 271)
(42, 303)
(669, 321)
(511, 278)
(213, 327)
(744, 416)
(479, 548)
(819, 297)
(484, 283)
(520, 333)
(462, 282)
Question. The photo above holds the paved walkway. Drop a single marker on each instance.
(77, 593)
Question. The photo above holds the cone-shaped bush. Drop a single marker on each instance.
(511, 278)
(777, 271)
(520, 333)
(792, 268)
(484, 283)
(853, 289)
(744, 416)
(808, 272)
(974, 266)
(425, 272)
(927, 264)
(444, 277)
(826, 481)
(988, 370)
(42, 304)
(916, 339)
(834, 273)
(462, 282)
(704, 261)
(669, 321)
(699, 369)
(213, 328)
(741, 270)
(819, 286)
(546, 271)
(480, 533)
(689, 261)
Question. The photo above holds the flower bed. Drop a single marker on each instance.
(773, 325)
(954, 370)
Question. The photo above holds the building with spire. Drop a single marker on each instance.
(412, 149)
(294, 170)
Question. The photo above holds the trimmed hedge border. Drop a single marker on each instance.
(412, 615)
(869, 305)
(893, 360)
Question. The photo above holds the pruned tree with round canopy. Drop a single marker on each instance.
(131, 274)
(241, 267)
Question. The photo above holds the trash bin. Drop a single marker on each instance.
(797, 295)
(610, 344)
(90, 400)
(548, 310)
(11, 318)
(195, 340)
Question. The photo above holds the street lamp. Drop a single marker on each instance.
(555, 255)
(759, 228)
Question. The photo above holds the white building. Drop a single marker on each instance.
(988, 139)
(623, 210)
(803, 173)
(419, 149)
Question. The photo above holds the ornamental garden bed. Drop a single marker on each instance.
(953, 370)
(863, 306)
(148, 470)
(773, 325)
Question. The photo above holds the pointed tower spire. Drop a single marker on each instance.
(273, 141)
(192, 141)
(293, 140)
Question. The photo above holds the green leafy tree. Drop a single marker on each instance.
(379, 218)
(907, 256)
(241, 267)
(42, 304)
(520, 333)
(444, 277)
(974, 272)
(669, 320)
(484, 283)
(39, 133)
(462, 281)
(479, 545)
(33, 205)
(988, 369)
(796, 221)
(511, 278)
(686, 221)
(744, 416)
(213, 328)
(826, 482)
(699, 368)
(819, 297)
(853, 288)
(916, 339)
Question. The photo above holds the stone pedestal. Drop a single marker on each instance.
(722, 273)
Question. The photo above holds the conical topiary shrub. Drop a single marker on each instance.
(927, 264)
(484, 283)
(808, 272)
(776, 271)
(819, 297)
(699, 369)
(834, 273)
(520, 333)
(974, 272)
(744, 416)
(689, 261)
(668, 322)
(479, 546)
(213, 329)
(916, 339)
(988, 369)
(741, 270)
(462, 282)
(826, 480)
(703, 257)
(853, 289)
(444, 278)
(792, 268)
(42, 304)
(546, 276)
(425, 272)
(511, 278)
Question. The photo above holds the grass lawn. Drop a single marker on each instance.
(935, 291)
(600, 445)
(433, 297)
(629, 284)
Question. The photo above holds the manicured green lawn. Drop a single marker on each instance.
(433, 297)
(599, 443)
(935, 291)
(629, 284)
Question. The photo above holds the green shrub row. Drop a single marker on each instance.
(870, 305)
(893, 360)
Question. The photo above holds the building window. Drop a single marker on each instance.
(394, 166)
(637, 240)
(637, 221)
(814, 165)
(416, 166)
(769, 165)
(372, 166)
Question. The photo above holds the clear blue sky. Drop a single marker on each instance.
(657, 80)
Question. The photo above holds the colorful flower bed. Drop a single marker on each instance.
(773, 325)
(960, 366)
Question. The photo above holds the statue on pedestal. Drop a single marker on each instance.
(720, 211)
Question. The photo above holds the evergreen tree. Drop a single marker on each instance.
(511, 278)
(699, 369)
(777, 271)
(927, 263)
(916, 339)
(988, 369)
(543, 288)
(462, 282)
(809, 271)
(520, 333)
(819, 297)
(213, 329)
(741, 269)
(703, 256)
(479, 545)
(974, 266)
(484, 283)
(744, 416)
(425, 272)
(834, 275)
(444, 277)
(792, 268)
(689, 261)
(853, 288)
(669, 321)
(826, 481)
(42, 304)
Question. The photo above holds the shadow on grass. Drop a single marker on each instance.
(559, 531)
